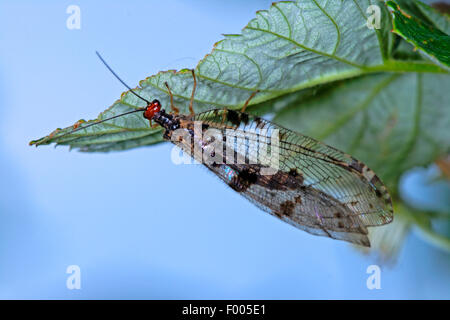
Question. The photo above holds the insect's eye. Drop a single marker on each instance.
(156, 103)
(156, 106)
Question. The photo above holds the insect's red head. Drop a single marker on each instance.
(151, 109)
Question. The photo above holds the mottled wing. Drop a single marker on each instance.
(315, 187)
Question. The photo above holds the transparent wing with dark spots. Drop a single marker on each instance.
(317, 188)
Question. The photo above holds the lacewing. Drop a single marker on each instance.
(301, 181)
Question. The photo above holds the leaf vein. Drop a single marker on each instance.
(338, 33)
(309, 49)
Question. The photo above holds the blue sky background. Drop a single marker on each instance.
(136, 224)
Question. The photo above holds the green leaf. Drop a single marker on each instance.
(392, 122)
(440, 20)
(431, 41)
(427, 14)
(411, 7)
(290, 47)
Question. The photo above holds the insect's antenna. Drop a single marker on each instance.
(118, 78)
(98, 122)
(113, 117)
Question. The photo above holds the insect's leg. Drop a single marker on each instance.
(153, 126)
(224, 114)
(174, 109)
(248, 100)
(191, 109)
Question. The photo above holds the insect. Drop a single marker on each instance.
(312, 186)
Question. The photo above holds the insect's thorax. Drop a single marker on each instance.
(179, 129)
(169, 122)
